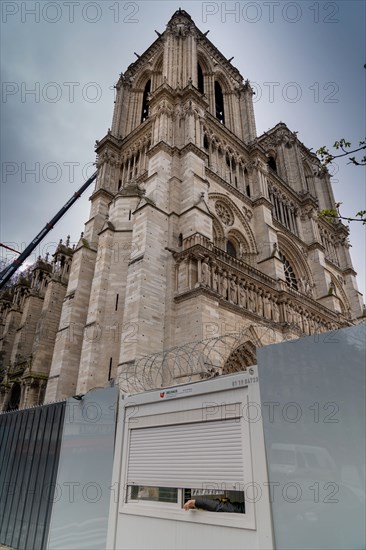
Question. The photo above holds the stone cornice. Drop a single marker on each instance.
(108, 139)
(147, 178)
(163, 91)
(151, 204)
(196, 207)
(176, 97)
(308, 200)
(262, 201)
(55, 279)
(100, 193)
(173, 150)
(194, 292)
(162, 146)
(143, 177)
(191, 92)
(32, 377)
(140, 132)
(35, 294)
(333, 265)
(107, 228)
(350, 271)
(132, 189)
(192, 148)
(172, 213)
(316, 245)
(83, 243)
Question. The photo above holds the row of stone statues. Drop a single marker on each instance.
(259, 301)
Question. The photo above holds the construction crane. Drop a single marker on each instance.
(9, 271)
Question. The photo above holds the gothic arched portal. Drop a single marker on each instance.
(242, 357)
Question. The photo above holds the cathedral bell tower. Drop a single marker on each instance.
(192, 221)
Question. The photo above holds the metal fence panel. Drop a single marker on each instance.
(29, 453)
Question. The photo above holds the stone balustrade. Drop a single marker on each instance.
(244, 288)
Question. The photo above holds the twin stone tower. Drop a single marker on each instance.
(204, 241)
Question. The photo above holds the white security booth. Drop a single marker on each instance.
(285, 439)
(202, 439)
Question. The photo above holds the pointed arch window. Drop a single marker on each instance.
(309, 179)
(234, 172)
(272, 163)
(206, 144)
(219, 103)
(200, 79)
(290, 276)
(246, 182)
(145, 103)
(230, 249)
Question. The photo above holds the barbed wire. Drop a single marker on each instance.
(193, 361)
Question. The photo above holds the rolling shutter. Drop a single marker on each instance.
(187, 455)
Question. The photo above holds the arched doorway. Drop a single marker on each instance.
(242, 357)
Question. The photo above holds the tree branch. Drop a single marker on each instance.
(327, 157)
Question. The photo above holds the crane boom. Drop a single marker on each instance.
(12, 268)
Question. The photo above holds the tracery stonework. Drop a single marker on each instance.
(240, 359)
(224, 213)
(183, 179)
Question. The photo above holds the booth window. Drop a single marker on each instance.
(153, 494)
(178, 496)
(172, 463)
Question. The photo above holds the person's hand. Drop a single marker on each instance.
(189, 504)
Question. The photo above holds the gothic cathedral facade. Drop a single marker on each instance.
(204, 241)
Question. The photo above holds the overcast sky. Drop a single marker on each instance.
(60, 61)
